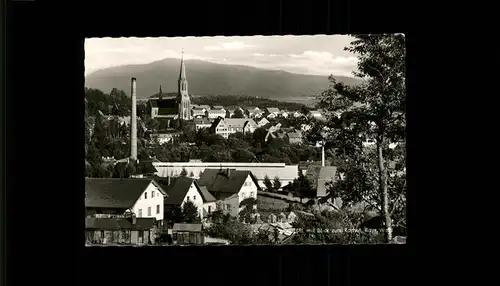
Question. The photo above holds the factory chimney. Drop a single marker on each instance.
(133, 122)
(323, 154)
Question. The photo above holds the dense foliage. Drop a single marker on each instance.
(109, 137)
(375, 175)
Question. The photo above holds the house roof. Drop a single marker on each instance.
(117, 224)
(115, 192)
(216, 110)
(218, 180)
(206, 195)
(194, 227)
(273, 110)
(177, 190)
(218, 107)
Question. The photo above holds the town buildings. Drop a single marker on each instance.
(226, 126)
(201, 123)
(230, 187)
(183, 189)
(123, 211)
(215, 113)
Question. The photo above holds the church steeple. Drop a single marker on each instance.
(185, 102)
(182, 74)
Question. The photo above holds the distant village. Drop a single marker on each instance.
(148, 201)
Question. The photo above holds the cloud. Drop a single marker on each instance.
(228, 46)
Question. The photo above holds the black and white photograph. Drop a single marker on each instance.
(251, 140)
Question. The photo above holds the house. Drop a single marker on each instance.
(272, 111)
(183, 189)
(164, 138)
(226, 126)
(250, 111)
(316, 114)
(230, 187)
(297, 114)
(198, 112)
(124, 230)
(284, 114)
(201, 123)
(214, 113)
(117, 196)
(187, 233)
(263, 122)
(294, 137)
(258, 114)
(232, 109)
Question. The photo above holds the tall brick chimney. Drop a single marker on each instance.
(133, 122)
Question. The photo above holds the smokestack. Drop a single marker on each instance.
(133, 123)
(323, 154)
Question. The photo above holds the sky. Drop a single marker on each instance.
(316, 55)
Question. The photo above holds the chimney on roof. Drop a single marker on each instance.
(133, 120)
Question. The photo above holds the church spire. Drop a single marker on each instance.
(160, 93)
(182, 74)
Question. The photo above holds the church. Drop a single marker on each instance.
(175, 106)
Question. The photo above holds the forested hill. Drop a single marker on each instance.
(207, 78)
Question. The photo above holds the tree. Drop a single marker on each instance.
(276, 183)
(184, 172)
(238, 113)
(301, 187)
(375, 110)
(190, 212)
(248, 209)
(175, 215)
(268, 184)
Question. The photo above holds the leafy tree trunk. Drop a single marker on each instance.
(382, 174)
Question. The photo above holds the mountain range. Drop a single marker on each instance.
(206, 78)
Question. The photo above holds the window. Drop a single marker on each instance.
(209, 209)
(140, 212)
(228, 206)
(153, 194)
(251, 194)
(149, 211)
(145, 195)
(188, 198)
(157, 209)
(194, 198)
